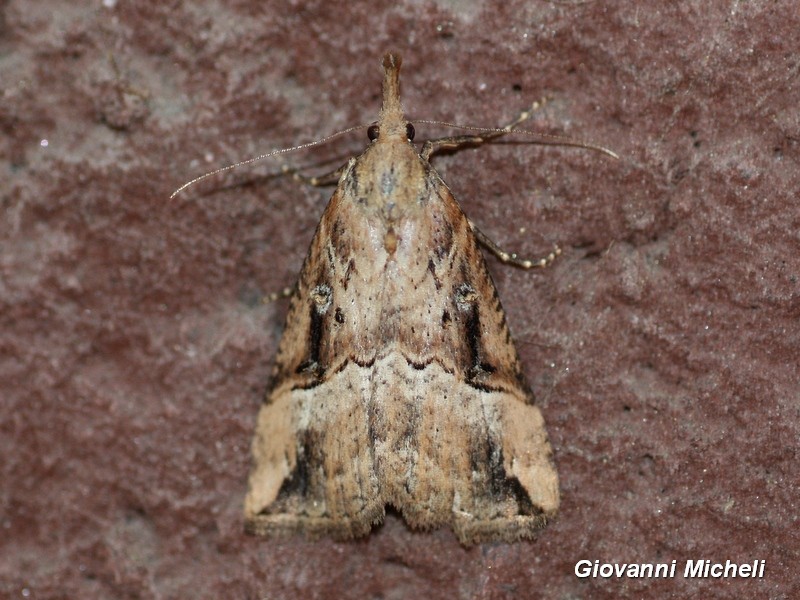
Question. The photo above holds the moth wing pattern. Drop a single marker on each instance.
(397, 382)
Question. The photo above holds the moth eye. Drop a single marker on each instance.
(372, 132)
(410, 132)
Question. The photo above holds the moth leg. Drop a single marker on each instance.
(319, 181)
(511, 258)
(274, 296)
(450, 143)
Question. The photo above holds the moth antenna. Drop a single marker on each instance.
(544, 139)
(263, 156)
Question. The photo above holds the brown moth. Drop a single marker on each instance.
(397, 382)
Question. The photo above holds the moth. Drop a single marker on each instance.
(397, 383)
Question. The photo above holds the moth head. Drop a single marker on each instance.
(374, 132)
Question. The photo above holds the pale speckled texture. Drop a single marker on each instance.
(135, 348)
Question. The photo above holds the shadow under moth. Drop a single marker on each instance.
(397, 382)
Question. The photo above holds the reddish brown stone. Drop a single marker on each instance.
(135, 346)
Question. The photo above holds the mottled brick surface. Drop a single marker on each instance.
(135, 346)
